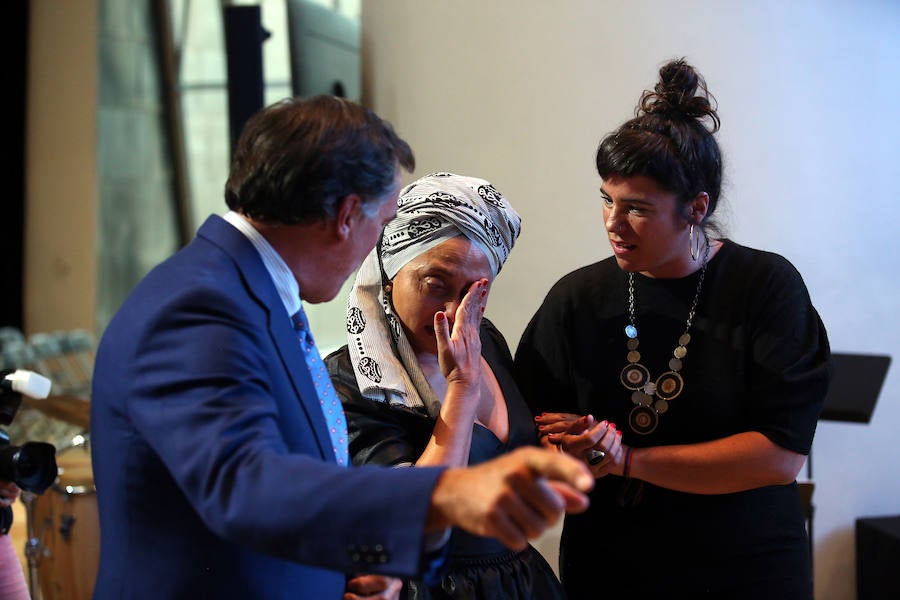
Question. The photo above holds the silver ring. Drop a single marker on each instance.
(596, 456)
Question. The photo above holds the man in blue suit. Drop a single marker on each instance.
(215, 457)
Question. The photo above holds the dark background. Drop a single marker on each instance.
(12, 222)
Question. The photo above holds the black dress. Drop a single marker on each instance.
(758, 360)
(477, 567)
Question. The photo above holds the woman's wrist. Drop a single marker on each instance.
(626, 468)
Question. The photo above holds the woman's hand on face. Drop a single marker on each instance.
(9, 491)
(373, 587)
(459, 350)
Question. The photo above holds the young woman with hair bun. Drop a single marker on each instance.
(687, 369)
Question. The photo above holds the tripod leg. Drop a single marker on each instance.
(34, 550)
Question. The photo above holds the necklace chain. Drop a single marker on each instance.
(652, 397)
(691, 313)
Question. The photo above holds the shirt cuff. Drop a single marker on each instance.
(434, 558)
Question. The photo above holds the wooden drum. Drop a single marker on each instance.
(66, 524)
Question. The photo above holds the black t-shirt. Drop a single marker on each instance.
(758, 360)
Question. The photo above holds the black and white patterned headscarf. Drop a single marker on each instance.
(430, 211)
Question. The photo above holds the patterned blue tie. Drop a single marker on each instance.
(328, 398)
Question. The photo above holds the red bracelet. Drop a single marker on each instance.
(626, 472)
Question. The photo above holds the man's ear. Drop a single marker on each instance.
(345, 213)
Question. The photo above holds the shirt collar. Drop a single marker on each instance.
(282, 277)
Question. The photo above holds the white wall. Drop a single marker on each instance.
(520, 93)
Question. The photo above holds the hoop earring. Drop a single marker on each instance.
(694, 254)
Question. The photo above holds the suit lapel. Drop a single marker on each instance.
(262, 290)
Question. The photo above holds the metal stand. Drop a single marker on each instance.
(34, 549)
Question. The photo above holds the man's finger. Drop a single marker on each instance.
(543, 502)
(371, 587)
(575, 502)
(365, 584)
(558, 467)
(508, 533)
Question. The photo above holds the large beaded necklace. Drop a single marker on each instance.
(651, 398)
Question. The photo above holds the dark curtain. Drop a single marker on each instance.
(12, 222)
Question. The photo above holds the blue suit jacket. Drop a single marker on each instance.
(213, 465)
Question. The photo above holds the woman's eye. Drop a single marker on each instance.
(638, 210)
(607, 202)
(433, 283)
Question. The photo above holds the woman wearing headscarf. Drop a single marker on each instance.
(426, 380)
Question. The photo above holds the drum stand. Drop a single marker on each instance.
(34, 549)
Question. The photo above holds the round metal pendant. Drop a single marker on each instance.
(634, 376)
(669, 385)
(632, 344)
(643, 420)
(675, 364)
(641, 399)
(661, 406)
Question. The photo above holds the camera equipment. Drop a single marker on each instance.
(31, 466)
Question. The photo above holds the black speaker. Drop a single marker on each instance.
(244, 36)
(878, 558)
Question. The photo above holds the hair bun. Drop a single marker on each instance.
(680, 93)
